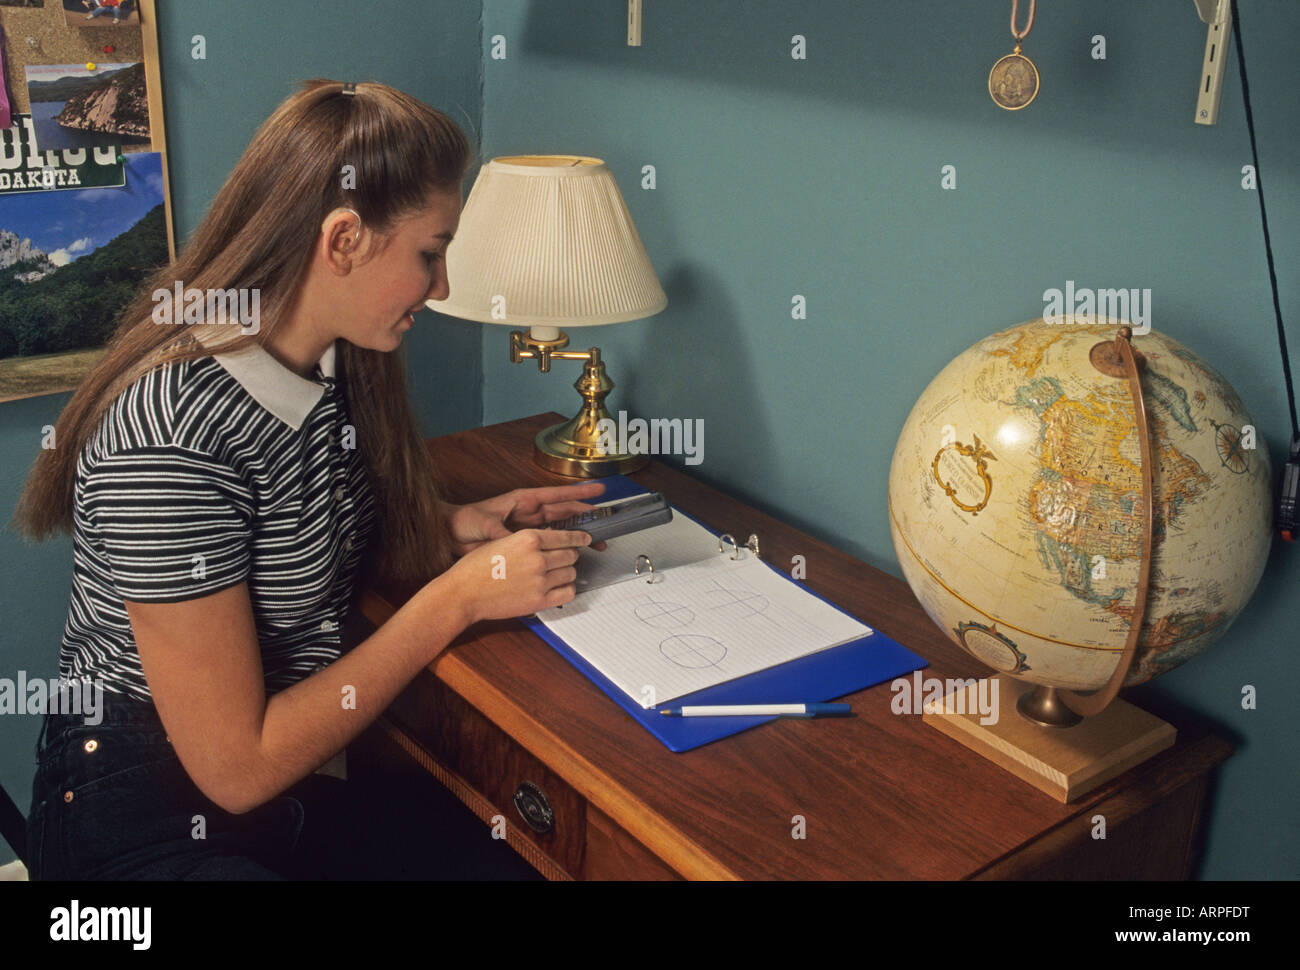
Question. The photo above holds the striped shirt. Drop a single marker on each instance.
(207, 473)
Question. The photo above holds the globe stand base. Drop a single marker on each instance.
(1065, 764)
(1043, 705)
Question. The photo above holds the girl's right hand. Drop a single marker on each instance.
(519, 574)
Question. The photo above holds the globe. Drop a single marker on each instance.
(1015, 505)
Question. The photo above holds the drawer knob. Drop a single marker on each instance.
(533, 806)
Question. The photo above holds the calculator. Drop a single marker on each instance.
(620, 518)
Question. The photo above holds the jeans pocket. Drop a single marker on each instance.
(120, 815)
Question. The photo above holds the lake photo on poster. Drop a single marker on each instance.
(52, 135)
(101, 104)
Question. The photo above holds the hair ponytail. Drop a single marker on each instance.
(259, 233)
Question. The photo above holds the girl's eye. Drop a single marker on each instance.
(432, 257)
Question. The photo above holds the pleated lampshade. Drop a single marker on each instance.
(547, 241)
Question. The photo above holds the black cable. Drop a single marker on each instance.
(13, 826)
(1263, 218)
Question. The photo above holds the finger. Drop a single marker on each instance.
(566, 576)
(558, 558)
(560, 596)
(556, 511)
(562, 538)
(565, 493)
(499, 530)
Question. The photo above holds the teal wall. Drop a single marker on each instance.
(257, 54)
(822, 177)
(817, 177)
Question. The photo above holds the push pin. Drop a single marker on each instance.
(108, 48)
(90, 65)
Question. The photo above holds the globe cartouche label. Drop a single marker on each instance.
(991, 645)
(962, 472)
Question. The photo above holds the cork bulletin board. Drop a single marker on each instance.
(85, 193)
(40, 35)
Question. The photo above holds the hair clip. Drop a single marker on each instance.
(350, 88)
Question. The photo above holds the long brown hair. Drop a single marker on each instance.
(260, 233)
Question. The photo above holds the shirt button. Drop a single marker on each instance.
(340, 494)
(91, 746)
(347, 544)
(326, 626)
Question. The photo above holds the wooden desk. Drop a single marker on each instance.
(883, 796)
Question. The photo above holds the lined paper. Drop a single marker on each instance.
(706, 619)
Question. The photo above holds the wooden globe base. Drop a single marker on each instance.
(1065, 764)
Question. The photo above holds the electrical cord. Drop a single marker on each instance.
(1286, 510)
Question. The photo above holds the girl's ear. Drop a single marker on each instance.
(340, 240)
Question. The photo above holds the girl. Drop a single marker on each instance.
(229, 482)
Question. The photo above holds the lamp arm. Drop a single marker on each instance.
(524, 346)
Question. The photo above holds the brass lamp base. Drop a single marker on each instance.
(574, 447)
(571, 449)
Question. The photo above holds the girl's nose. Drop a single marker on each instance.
(440, 288)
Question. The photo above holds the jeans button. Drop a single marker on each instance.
(67, 796)
(91, 746)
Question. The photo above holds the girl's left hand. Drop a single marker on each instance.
(493, 518)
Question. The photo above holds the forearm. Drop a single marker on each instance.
(307, 724)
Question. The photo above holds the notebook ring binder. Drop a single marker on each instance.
(735, 547)
(636, 567)
(752, 544)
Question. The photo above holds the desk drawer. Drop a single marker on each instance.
(485, 758)
(487, 769)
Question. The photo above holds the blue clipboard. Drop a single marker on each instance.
(818, 677)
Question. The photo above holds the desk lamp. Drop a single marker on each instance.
(546, 241)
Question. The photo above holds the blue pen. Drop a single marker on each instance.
(758, 710)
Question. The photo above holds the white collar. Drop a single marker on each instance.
(289, 396)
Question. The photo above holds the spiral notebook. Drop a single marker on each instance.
(677, 613)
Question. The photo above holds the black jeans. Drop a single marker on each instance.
(112, 801)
